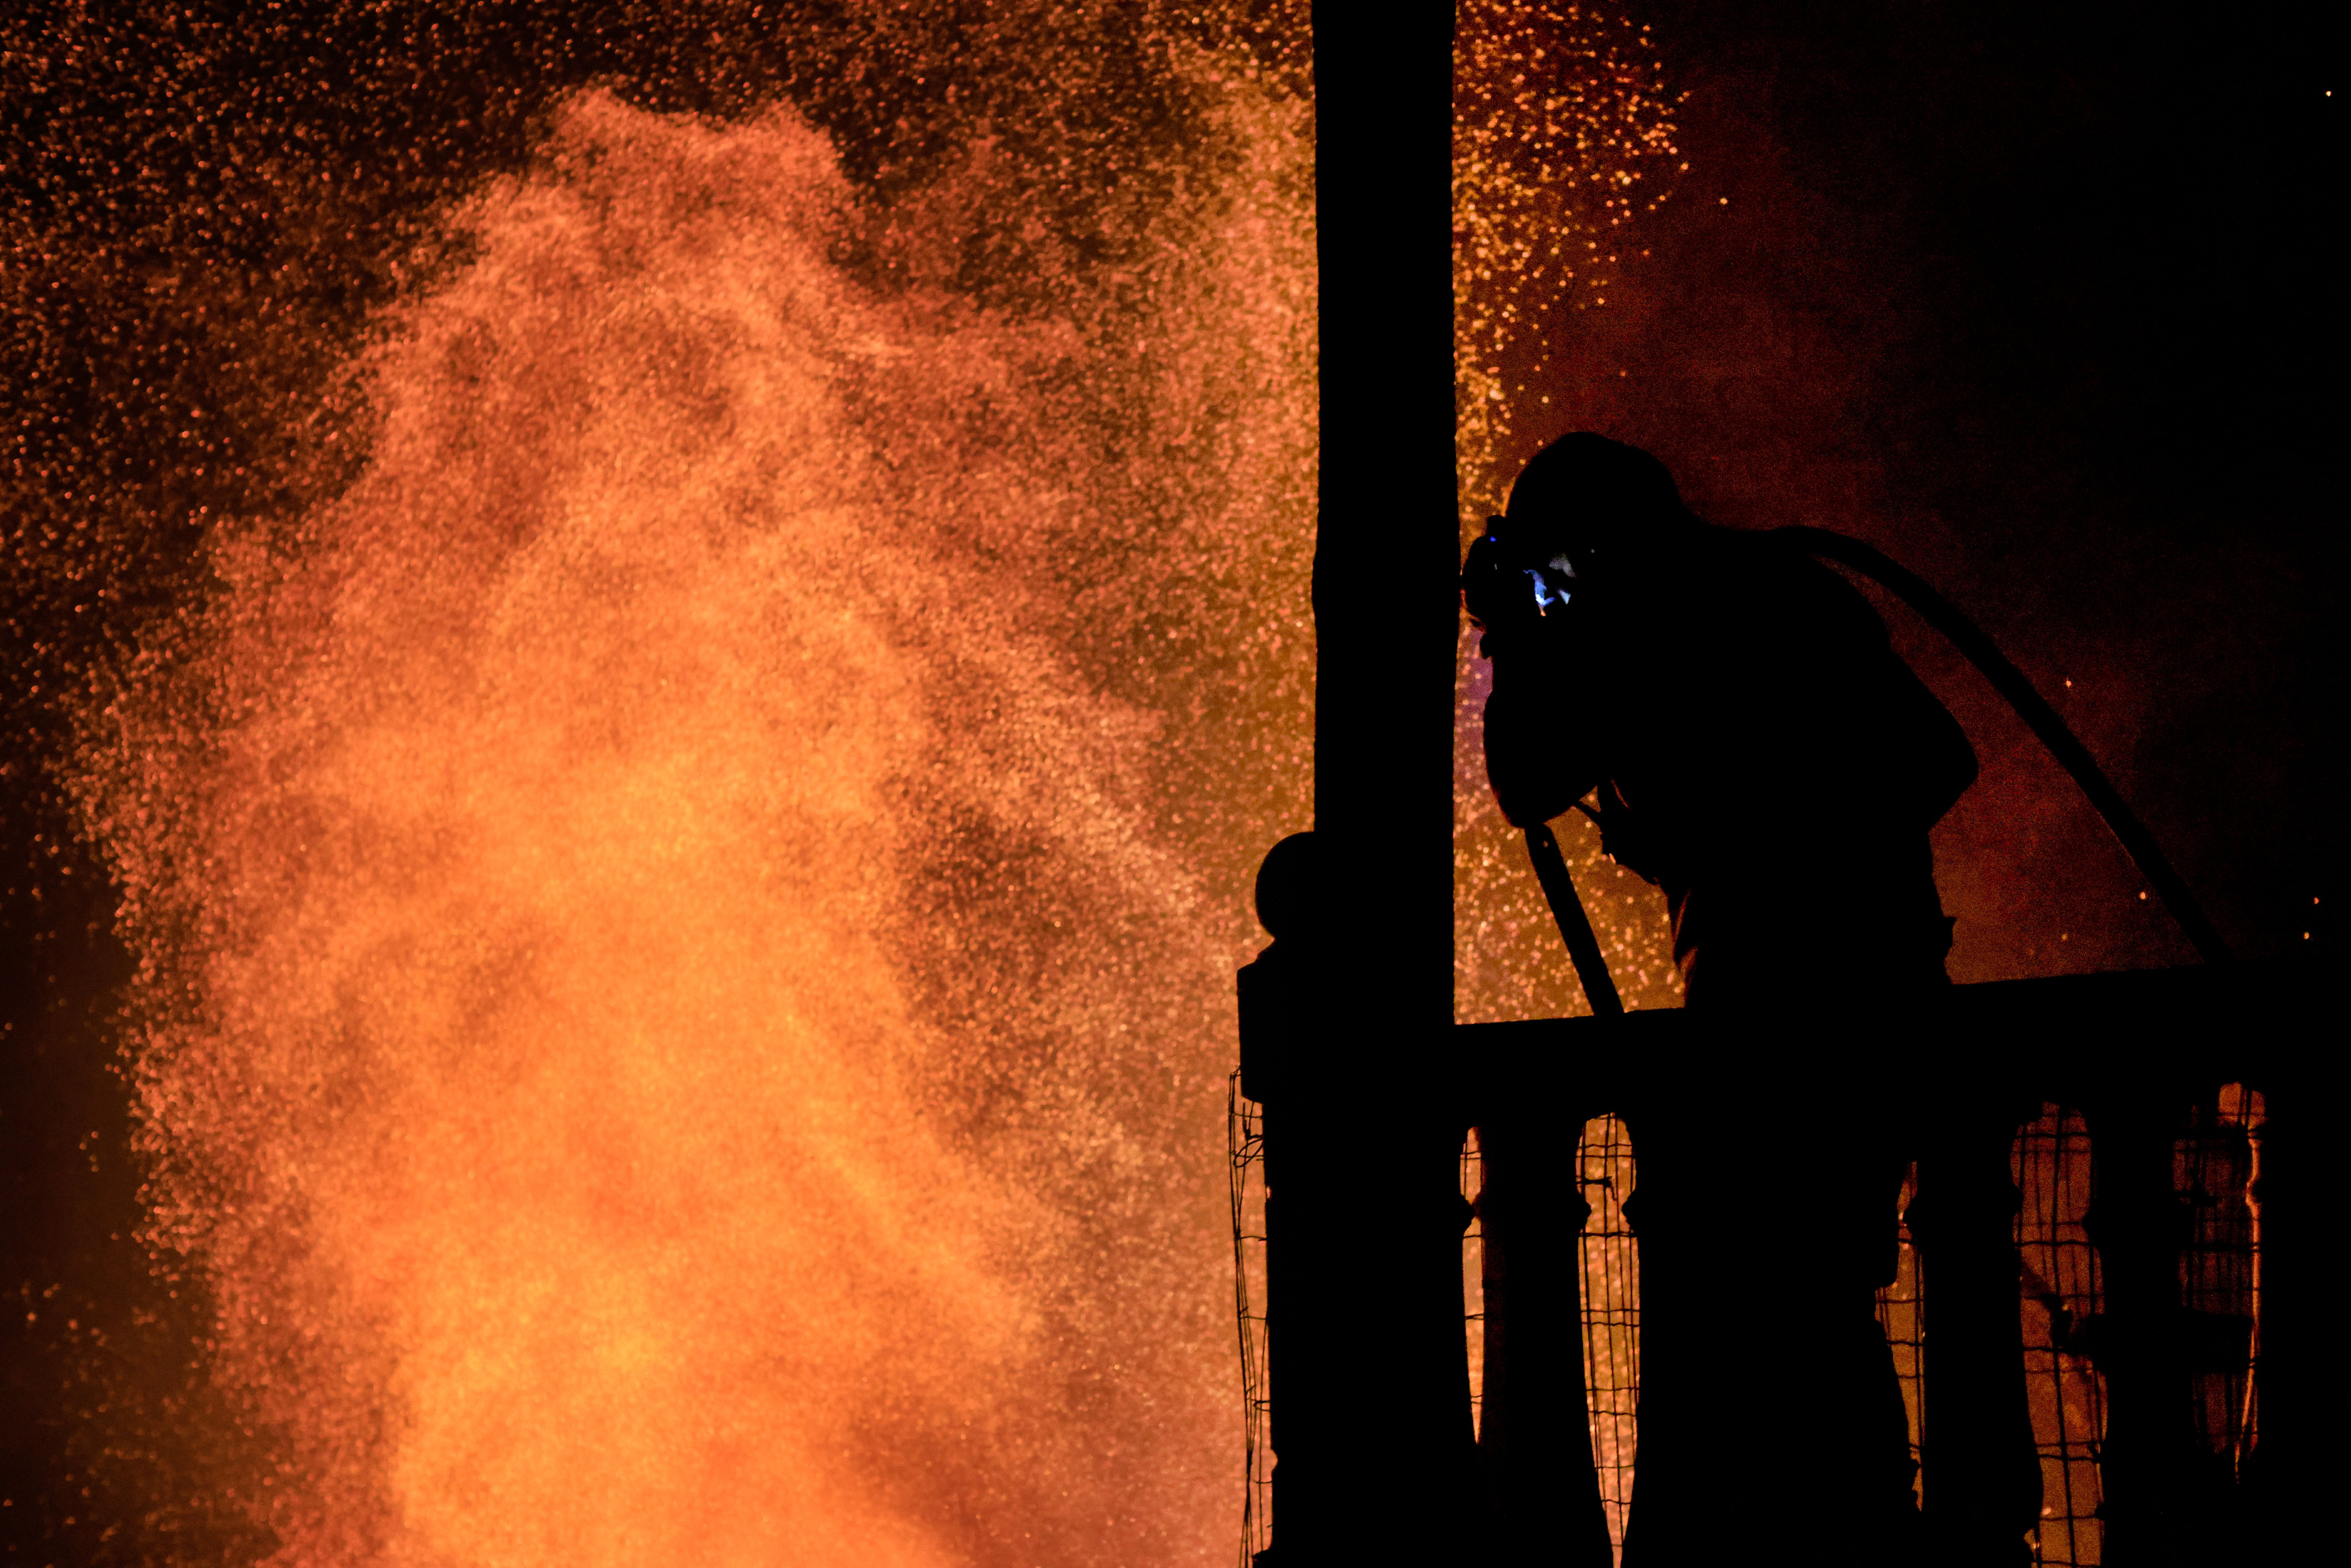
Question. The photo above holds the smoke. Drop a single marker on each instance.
(684, 1008)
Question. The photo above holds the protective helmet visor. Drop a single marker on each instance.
(1502, 589)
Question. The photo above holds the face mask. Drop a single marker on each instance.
(1502, 593)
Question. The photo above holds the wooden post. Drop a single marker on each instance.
(1368, 1371)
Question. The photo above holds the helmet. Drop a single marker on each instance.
(1582, 497)
(1583, 491)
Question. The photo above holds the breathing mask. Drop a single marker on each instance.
(1505, 590)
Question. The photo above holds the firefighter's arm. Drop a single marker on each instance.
(1626, 839)
(1939, 763)
(1539, 760)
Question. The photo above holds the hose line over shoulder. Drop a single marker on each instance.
(2037, 716)
(1574, 926)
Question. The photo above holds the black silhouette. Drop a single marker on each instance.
(1760, 752)
(1756, 749)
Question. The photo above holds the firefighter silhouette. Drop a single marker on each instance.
(1750, 744)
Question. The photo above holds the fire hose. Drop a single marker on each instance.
(1575, 927)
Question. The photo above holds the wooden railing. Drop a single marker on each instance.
(2131, 1053)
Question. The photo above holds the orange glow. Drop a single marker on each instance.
(1564, 127)
(686, 1005)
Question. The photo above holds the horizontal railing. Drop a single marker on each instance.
(2124, 1056)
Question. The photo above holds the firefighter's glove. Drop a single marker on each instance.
(1624, 837)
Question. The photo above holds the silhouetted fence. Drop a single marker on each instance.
(2086, 1317)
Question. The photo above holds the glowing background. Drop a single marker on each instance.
(686, 913)
(388, 420)
(684, 1019)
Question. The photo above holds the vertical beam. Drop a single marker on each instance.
(1387, 607)
(1369, 1380)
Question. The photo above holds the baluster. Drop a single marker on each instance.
(1982, 1484)
(2155, 1511)
(1535, 1443)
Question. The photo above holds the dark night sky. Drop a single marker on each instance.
(2029, 296)
(2030, 299)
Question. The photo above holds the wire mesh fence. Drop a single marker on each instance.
(1245, 1151)
(1610, 1272)
(1610, 1268)
(2058, 1270)
(2216, 1162)
(1473, 1276)
(2216, 1168)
